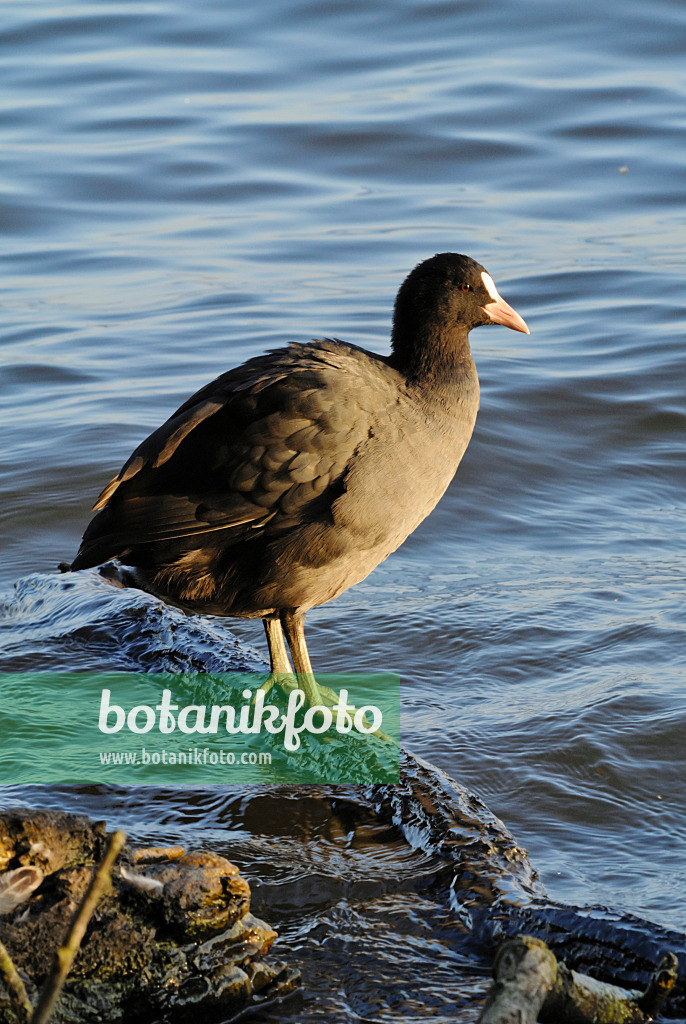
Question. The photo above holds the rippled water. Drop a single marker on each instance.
(185, 186)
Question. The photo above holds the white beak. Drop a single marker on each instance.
(500, 311)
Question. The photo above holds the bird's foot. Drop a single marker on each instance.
(328, 698)
(286, 682)
(316, 696)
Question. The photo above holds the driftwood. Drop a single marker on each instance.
(530, 985)
(524, 972)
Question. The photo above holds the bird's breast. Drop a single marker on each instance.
(400, 472)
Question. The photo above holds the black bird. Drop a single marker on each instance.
(288, 479)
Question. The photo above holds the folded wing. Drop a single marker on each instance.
(262, 448)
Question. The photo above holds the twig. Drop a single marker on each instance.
(64, 957)
(15, 986)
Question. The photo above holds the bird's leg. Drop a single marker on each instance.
(281, 672)
(294, 627)
(278, 655)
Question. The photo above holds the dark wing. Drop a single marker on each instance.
(260, 449)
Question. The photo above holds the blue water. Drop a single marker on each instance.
(184, 186)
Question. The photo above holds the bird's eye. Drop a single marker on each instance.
(466, 287)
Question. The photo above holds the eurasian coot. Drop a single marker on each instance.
(288, 479)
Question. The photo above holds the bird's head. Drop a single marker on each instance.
(450, 290)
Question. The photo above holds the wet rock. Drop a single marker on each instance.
(174, 936)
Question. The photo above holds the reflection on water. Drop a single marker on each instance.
(184, 188)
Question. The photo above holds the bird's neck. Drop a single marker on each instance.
(436, 356)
